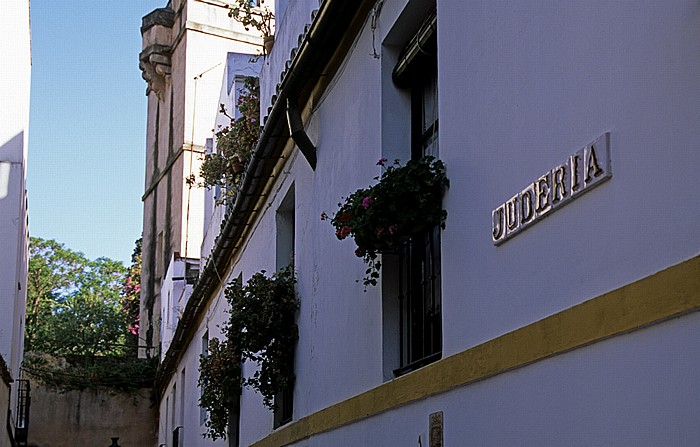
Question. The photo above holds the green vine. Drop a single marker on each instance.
(235, 144)
(260, 328)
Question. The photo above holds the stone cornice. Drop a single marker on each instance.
(161, 16)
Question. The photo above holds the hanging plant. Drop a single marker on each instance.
(234, 143)
(264, 309)
(220, 381)
(260, 328)
(404, 201)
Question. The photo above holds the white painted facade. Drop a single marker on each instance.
(14, 124)
(522, 85)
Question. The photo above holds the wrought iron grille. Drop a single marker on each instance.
(23, 404)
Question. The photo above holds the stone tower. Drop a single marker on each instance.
(182, 60)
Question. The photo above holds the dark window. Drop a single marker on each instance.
(284, 401)
(419, 270)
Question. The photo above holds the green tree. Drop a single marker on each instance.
(74, 304)
(81, 326)
(52, 272)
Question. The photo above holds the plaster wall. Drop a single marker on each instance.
(522, 85)
(91, 418)
(187, 412)
(174, 293)
(619, 392)
(296, 14)
(14, 84)
(526, 84)
(14, 118)
(520, 90)
(238, 66)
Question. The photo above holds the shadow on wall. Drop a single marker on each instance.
(11, 152)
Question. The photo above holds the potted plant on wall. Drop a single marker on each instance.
(405, 200)
(260, 328)
(258, 17)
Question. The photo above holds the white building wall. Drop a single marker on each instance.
(14, 124)
(629, 391)
(523, 84)
(183, 101)
(295, 15)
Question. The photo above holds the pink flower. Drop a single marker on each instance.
(381, 161)
(391, 229)
(366, 202)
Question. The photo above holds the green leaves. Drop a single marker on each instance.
(81, 319)
(235, 143)
(74, 305)
(261, 328)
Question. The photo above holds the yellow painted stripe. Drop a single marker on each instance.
(666, 294)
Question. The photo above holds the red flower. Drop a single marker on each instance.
(343, 232)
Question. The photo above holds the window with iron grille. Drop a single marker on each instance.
(419, 268)
(22, 418)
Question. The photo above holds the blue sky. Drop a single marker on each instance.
(85, 171)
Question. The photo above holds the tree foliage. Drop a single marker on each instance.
(81, 317)
(131, 300)
(74, 304)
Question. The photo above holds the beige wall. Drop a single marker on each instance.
(4, 400)
(91, 418)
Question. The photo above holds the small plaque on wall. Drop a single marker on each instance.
(436, 429)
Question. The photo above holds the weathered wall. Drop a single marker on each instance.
(91, 418)
(4, 399)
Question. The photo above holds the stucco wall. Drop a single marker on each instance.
(91, 418)
(522, 85)
(15, 83)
